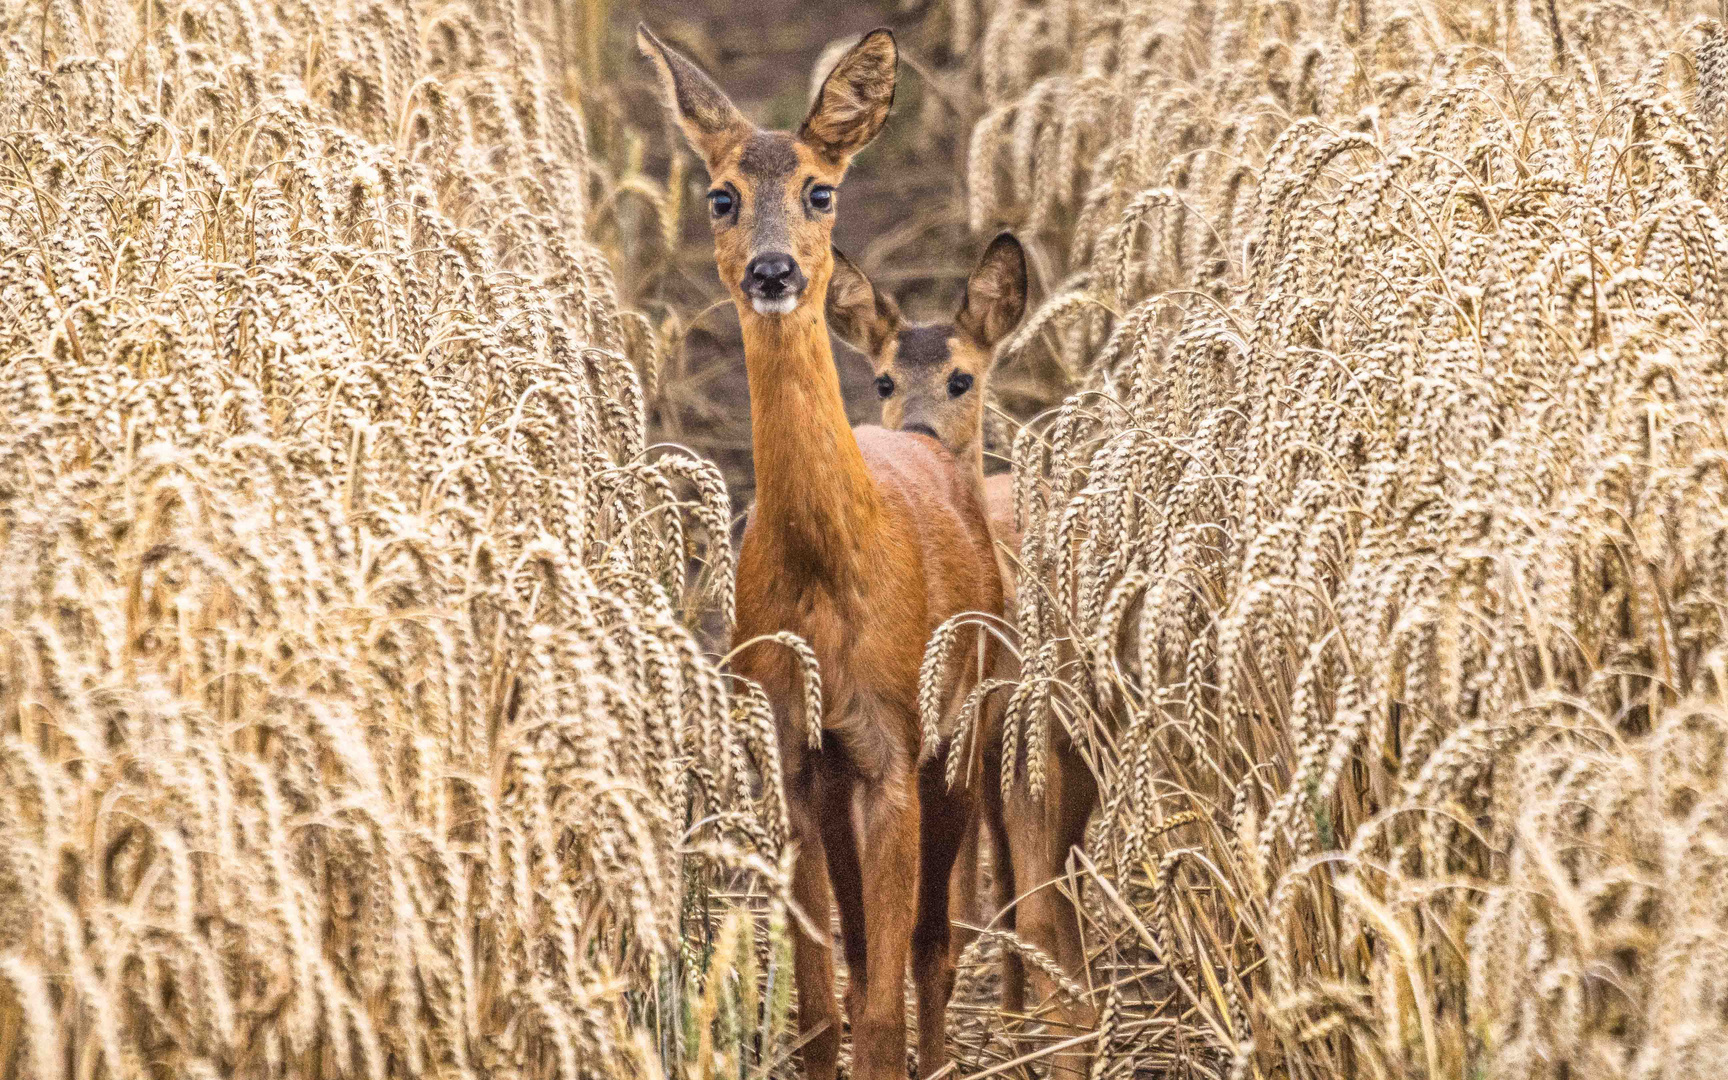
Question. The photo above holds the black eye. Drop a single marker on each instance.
(720, 202)
(822, 197)
(885, 385)
(959, 383)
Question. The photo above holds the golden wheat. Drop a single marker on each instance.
(1400, 463)
(350, 721)
(347, 691)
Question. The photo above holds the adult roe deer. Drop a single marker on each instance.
(931, 379)
(863, 543)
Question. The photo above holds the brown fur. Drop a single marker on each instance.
(851, 106)
(863, 543)
(921, 359)
(1030, 839)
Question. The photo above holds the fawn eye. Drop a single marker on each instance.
(885, 385)
(959, 383)
(720, 202)
(822, 197)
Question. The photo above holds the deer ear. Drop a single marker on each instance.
(861, 316)
(854, 100)
(709, 119)
(995, 293)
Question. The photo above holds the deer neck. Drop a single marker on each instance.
(817, 505)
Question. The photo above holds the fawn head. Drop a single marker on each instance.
(931, 378)
(771, 197)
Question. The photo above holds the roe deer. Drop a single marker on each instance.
(863, 542)
(931, 379)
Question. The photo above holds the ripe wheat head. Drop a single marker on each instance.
(349, 716)
(1388, 531)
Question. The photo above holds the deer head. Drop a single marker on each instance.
(771, 197)
(931, 378)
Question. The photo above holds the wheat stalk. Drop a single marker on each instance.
(1387, 514)
(350, 710)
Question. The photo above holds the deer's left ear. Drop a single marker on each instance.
(995, 293)
(709, 119)
(853, 103)
(859, 314)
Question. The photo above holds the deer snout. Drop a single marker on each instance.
(918, 416)
(773, 282)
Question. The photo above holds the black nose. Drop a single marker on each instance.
(772, 275)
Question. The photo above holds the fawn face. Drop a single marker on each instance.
(771, 197)
(931, 378)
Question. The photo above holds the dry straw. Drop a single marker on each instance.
(350, 724)
(346, 691)
(1388, 533)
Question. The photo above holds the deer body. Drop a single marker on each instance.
(864, 540)
(861, 542)
(932, 380)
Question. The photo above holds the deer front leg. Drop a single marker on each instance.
(1002, 879)
(945, 818)
(886, 814)
(833, 789)
(965, 908)
(813, 957)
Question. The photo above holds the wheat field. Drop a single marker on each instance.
(364, 707)
(1387, 532)
(350, 714)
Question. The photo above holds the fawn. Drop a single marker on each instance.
(931, 379)
(862, 542)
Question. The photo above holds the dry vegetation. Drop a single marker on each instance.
(347, 688)
(352, 722)
(1401, 457)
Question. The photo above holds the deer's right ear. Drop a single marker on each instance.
(861, 316)
(709, 119)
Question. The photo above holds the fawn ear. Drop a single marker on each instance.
(861, 316)
(995, 293)
(854, 100)
(709, 119)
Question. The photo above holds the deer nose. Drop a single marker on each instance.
(773, 275)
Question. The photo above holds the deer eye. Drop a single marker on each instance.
(822, 197)
(720, 202)
(885, 385)
(959, 383)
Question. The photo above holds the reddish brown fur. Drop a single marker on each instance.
(1030, 838)
(863, 543)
